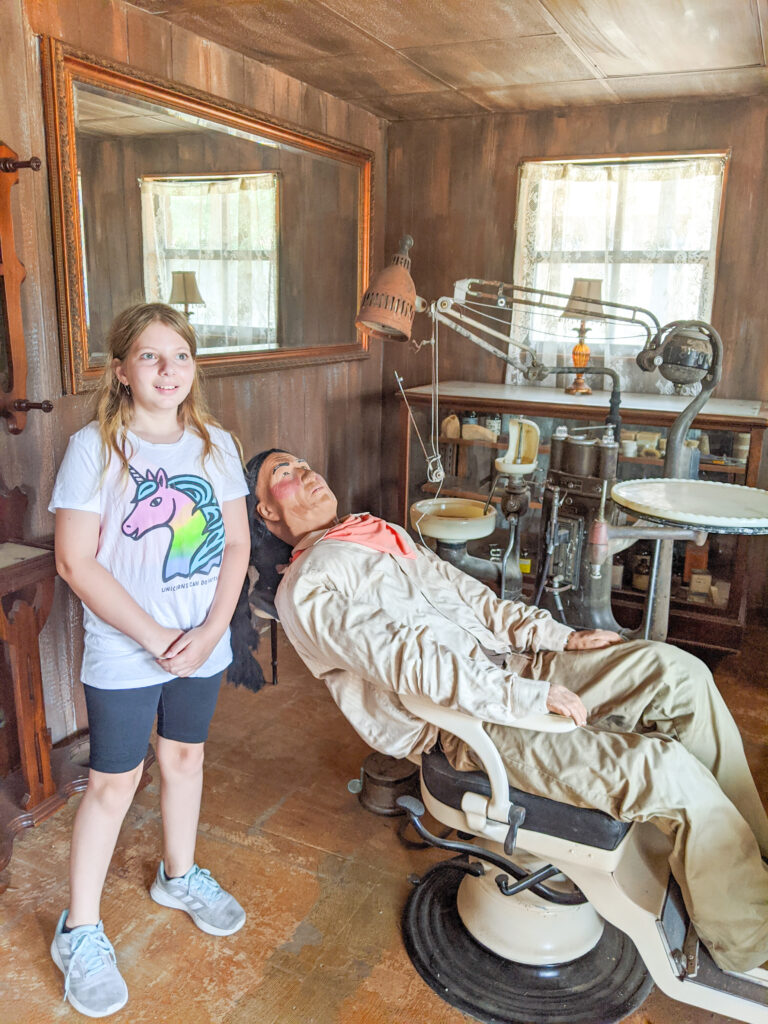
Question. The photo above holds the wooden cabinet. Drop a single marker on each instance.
(696, 621)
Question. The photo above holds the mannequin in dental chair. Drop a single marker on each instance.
(374, 615)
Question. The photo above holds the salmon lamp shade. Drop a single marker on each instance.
(390, 302)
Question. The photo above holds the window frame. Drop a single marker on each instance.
(224, 349)
(604, 159)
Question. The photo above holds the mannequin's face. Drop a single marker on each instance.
(293, 499)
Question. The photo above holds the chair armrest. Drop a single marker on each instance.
(470, 730)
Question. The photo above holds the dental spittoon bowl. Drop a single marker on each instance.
(453, 519)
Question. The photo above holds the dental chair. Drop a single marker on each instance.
(553, 914)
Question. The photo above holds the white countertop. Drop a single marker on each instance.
(653, 402)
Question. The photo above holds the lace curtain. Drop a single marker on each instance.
(226, 231)
(647, 228)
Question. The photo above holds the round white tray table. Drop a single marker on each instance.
(700, 504)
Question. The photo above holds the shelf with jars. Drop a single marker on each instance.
(708, 604)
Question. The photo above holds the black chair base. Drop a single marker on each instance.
(604, 985)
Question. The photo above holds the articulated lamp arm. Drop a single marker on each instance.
(445, 311)
(473, 298)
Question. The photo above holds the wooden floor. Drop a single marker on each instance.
(322, 880)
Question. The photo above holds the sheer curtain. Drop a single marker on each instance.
(225, 230)
(647, 227)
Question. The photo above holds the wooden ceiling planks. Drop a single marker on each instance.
(499, 62)
(438, 22)
(445, 58)
(662, 36)
(358, 75)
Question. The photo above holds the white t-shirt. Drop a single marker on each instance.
(161, 535)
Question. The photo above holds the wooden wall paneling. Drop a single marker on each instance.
(95, 26)
(310, 394)
(292, 411)
(149, 43)
(367, 412)
(48, 16)
(288, 99)
(355, 445)
(313, 108)
(248, 406)
(111, 254)
(190, 59)
(260, 87)
(339, 121)
(226, 74)
(338, 462)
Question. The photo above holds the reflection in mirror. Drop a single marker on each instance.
(261, 235)
(154, 201)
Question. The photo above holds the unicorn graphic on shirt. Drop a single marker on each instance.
(188, 507)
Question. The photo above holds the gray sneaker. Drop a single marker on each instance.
(92, 982)
(211, 908)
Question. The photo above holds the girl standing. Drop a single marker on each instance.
(152, 535)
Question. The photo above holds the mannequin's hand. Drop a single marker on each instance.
(563, 701)
(592, 640)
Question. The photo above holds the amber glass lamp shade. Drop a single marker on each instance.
(390, 302)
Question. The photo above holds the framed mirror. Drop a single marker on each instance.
(259, 232)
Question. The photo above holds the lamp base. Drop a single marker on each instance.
(580, 357)
(579, 386)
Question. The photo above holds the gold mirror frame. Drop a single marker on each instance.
(62, 66)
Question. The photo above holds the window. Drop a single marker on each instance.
(225, 229)
(646, 226)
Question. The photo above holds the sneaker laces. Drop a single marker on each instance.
(202, 884)
(88, 948)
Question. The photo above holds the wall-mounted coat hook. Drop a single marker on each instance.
(13, 353)
(7, 164)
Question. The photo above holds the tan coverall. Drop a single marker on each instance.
(661, 744)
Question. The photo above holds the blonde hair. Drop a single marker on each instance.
(114, 406)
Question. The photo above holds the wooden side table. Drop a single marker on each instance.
(45, 780)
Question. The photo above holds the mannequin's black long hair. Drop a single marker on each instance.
(257, 598)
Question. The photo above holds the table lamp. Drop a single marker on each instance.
(184, 290)
(583, 304)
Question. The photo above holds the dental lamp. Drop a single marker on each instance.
(389, 302)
